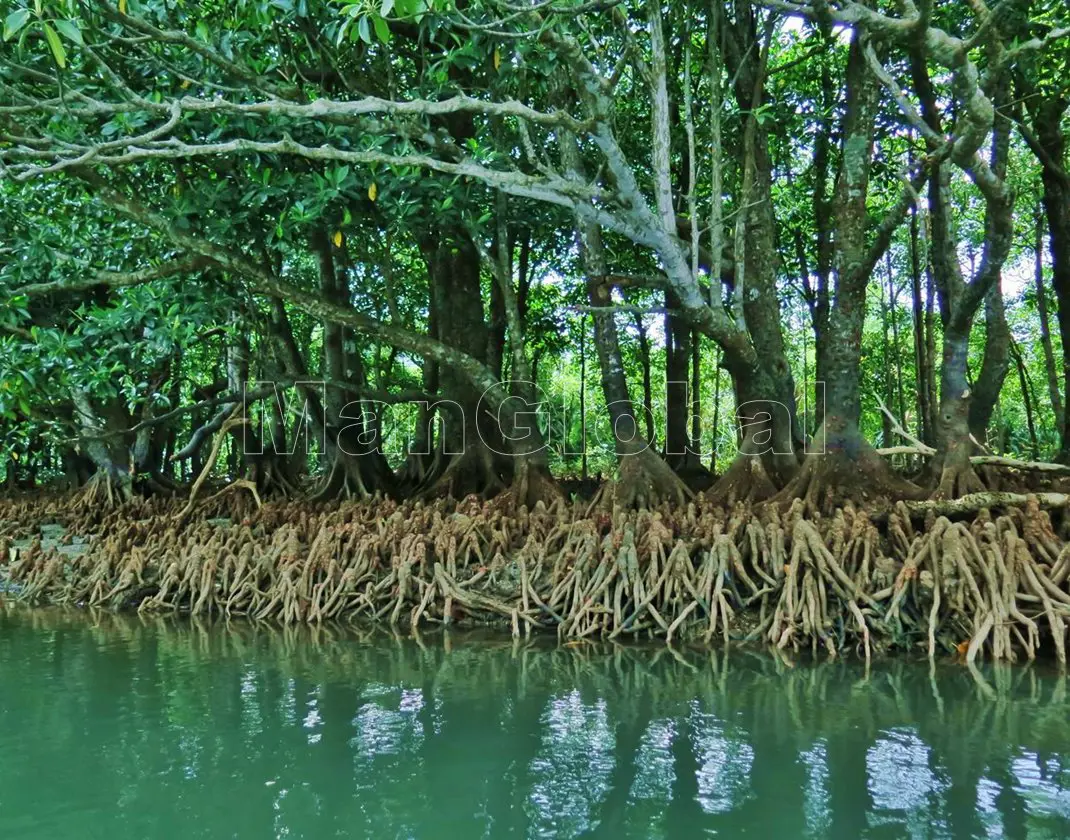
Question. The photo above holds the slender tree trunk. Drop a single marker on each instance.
(583, 397)
(1028, 401)
(678, 451)
(930, 354)
(496, 334)
(532, 482)
(470, 455)
(765, 391)
(893, 304)
(644, 478)
(921, 357)
(420, 457)
(1047, 117)
(716, 411)
(994, 364)
(842, 465)
(823, 219)
(889, 382)
(357, 466)
(696, 394)
(648, 390)
(1045, 328)
(959, 299)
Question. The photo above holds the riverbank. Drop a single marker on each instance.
(993, 584)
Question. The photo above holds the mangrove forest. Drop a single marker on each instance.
(709, 323)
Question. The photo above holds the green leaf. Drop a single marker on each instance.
(381, 29)
(341, 33)
(386, 8)
(15, 21)
(364, 31)
(69, 30)
(56, 46)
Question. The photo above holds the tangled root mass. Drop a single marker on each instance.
(994, 586)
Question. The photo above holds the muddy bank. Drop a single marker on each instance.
(991, 583)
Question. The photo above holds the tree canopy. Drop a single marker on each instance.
(759, 249)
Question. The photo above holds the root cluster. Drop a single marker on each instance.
(995, 586)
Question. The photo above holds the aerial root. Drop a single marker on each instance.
(990, 587)
(644, 481)
(746, 482)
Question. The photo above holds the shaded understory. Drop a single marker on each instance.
(993, 583)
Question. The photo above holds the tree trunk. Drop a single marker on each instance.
(583, 398)
(1047, 117)
(886, 372)
(353, 451)
(716, 428)
(994, 364)
(677, 407)
(959, 300)
(531, 479)
(420, 456)
(643, 479)
(922, 360)
(648, 391)
(1028, 401)
(765, 390)
(496, 332)
(469, 456)
(112, 482)
(841, 464)
(1045, 327)
(696, 394)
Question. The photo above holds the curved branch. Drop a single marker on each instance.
(118, 279)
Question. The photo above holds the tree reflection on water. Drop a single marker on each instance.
(155, 727)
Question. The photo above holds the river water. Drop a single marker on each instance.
(117, 727)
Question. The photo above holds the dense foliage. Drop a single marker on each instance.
(427, 223)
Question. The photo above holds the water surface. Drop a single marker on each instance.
(115, 727)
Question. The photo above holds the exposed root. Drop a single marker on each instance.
(996, 587)
(532, 485)
(475, 472)
(644, 481)
(979, 501)
(103, 491)
(234, 419)
(844, 469)
(238, 484)
(346, 480)
(746, 481)
(958, 480)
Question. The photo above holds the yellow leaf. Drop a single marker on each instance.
(337, 239)
(185, 84)
(14, 456)
(497, 59)
(176, 190)
(373, 191)
(122, 7)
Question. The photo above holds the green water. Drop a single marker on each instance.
(117, 728)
